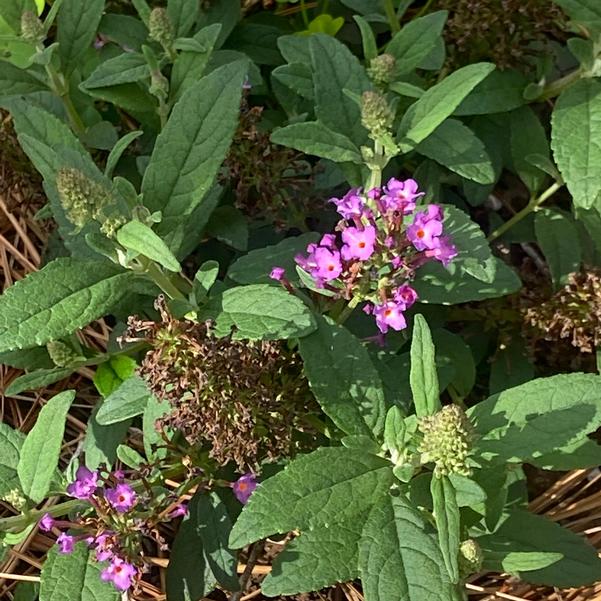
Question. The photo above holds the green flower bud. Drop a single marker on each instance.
(81, 197)
(376, 115)
(111, 224)
(16, 499)
(470, 558)
(32, 29)
(160, 27)
(62, 354)
(381, 69)
(447, 442)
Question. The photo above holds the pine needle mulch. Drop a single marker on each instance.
(574, 499)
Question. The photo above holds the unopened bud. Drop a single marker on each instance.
(381, 69)
(447, 442)
(81, 197)
(15, 498)
(470, 558)
(62, 354)
(160, 27)
(376, 115)
(32, 29)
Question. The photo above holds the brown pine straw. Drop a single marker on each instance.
(574, 499)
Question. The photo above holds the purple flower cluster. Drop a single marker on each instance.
(113, 534)
(376, 248)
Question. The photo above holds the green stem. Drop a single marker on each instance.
(304, 13)
(424, 9)
(60, 88)
(391, 16)
(348, 309)
(555, 88)
(375, 178)
(531, 206)
(163, 282)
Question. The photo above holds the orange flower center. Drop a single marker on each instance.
(361, 245)
(421, 233)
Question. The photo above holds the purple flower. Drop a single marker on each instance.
(122, 497)
(277, 273)
(425, 229)
(400, 195)
(350, 205)
(327, 264)
(374, 193)
(118, 475)
(244, 487)
(46, 523)
(390, 315)
(65, 543)
(102, 546)
(329, 241)
(405, 295)
(444, 250)
(120, 572)
(358, 244)
(180, 510)
(85, 484)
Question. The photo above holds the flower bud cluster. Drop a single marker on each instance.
(376, 248)
(32, 29)
(471, 558)
(160, 28)
(447, 441)
(84, 200)
(382, 69)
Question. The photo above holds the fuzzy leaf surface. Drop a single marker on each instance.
(324, 487)
(63, 296)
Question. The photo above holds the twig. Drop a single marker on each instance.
(8, 576)
(255, 551)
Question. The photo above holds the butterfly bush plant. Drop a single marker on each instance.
(291, 223)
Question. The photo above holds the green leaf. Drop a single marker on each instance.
(316, 559)
(527, 137)
(63, 296)
(200, 557)
(11, 11)
(41, 450)
(152, 437)
(575, 131)
(127, 401)
(190, 149)
(451, 350)
(189, 65)
(510, 367)
(438, 103)
(336, 69)
(204, 279)
(468, 492)
(130, 457)
(399, 558)
(557, 237)
(395, 429)
(112, 373)
(254, 267)
(524, 532)
(39, 378)
(297, 77)
(229, 225)
(118, 150)
(77, 24)
(533, 417)
(586, 12)
(423, 377)
(182, 14)
(327, 486)
(456, 147)
(368, 39)
(316, 139)
(101, 442)
(343, 379)
(499, 92)
(75, 577)
(263, 312)
(435, 284)
(128, 67)
(416, 41)
(138, 237)
(11, 442)
(448, 523)
(582, 454)
(15, 81)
